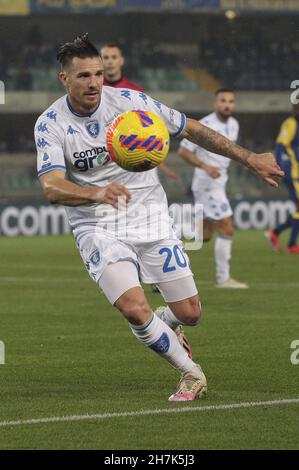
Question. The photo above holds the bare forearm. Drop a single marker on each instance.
(69, 194)
(60, 191)
(214, 142)
(168, 171)
(189, 157)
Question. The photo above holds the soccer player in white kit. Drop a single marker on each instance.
(76, 170)
(209, 185)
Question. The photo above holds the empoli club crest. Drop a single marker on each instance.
(93, 128)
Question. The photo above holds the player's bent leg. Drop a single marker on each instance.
(134, 306)
(120, 283)
(193, 384)
(181, 309)
(163, 340)
(118, 278)
(187, 311)
(183, 302)
(166, 264)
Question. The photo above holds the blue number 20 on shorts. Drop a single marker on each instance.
(173, 257)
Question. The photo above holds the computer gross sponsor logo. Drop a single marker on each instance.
(91, 158)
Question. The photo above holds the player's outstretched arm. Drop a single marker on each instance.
(264, 164)
(169, 172)
(190, 157)
(60, 191)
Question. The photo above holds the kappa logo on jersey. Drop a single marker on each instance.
(158, 105)
(126, 94)
(72, 131)
(93, 128)
(88, 159)
(143, 97)
(42, 127)
(42, 143)
(51, 115)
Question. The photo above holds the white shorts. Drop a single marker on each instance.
(160, 261)
(213, 197)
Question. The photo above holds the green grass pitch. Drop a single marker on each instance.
(68, 352)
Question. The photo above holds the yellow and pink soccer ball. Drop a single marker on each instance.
(138, 140)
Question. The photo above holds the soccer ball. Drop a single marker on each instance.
(138, 140)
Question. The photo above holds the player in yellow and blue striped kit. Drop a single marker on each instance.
(287, 155)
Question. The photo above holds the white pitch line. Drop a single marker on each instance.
(124, 414)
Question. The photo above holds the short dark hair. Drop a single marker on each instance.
(112, 44)
(224, 90)
(80, 47)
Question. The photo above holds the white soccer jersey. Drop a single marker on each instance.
(229, 129)
(76, 144)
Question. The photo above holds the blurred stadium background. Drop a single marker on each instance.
(180, 51)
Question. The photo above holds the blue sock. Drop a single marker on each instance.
(282, 227)
(294, 231)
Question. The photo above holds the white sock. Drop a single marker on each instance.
(170, 319)
(223, 248)
(161, 339)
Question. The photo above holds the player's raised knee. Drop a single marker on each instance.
(193, 311)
